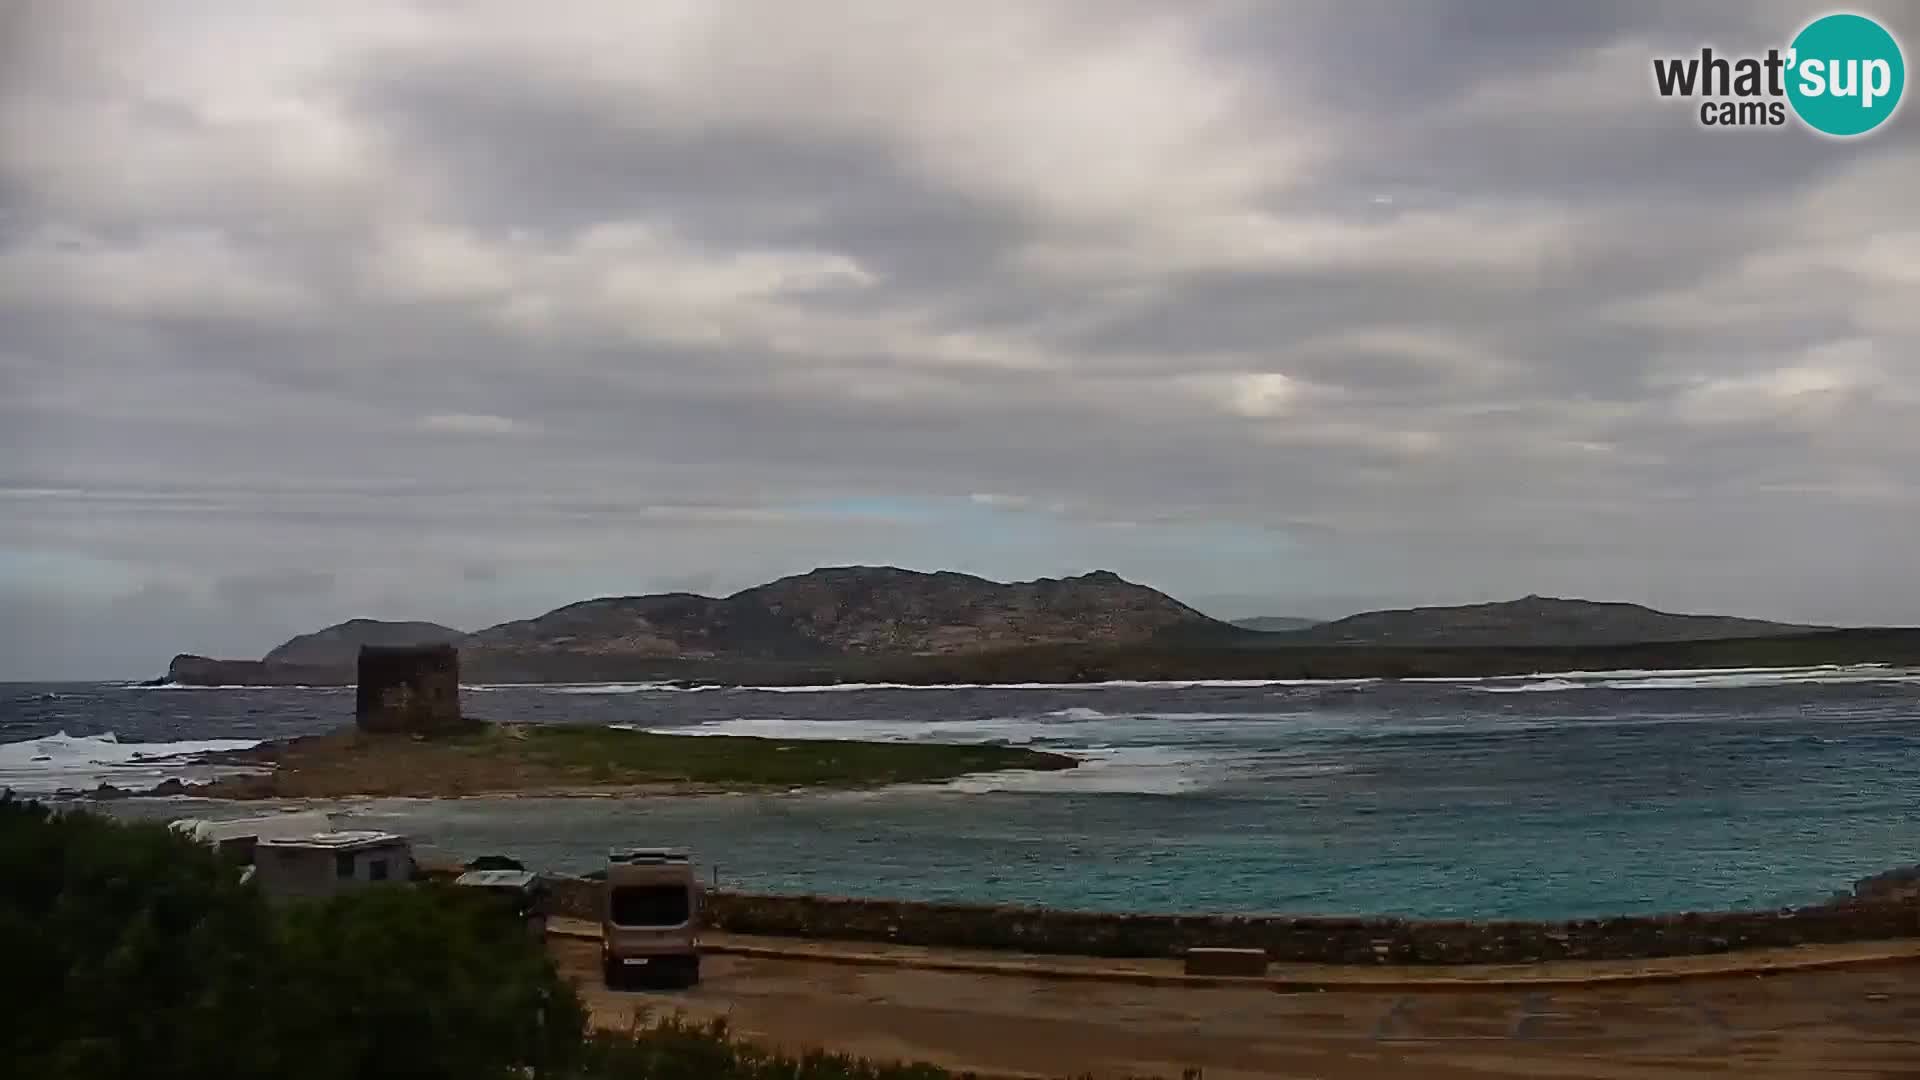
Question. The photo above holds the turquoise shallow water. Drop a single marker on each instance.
(1539, 797)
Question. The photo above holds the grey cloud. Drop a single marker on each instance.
(272, 589)
(1437, 304)
(1384, 55)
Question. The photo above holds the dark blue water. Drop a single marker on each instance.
(1538, 797)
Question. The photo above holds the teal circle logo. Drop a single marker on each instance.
(1846, 76)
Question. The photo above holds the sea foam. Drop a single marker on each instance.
(57, 761)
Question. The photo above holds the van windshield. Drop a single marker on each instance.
(649, 905)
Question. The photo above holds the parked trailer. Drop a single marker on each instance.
(520, 894)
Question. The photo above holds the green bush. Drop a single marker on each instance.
(427, 982)
(129, 950)
(674, 1048)
(677, 1049)
(133, 951)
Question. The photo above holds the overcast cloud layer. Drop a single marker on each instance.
(462, 312)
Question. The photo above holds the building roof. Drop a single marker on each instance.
(344, 840)
(260, 826)
(647, 855)
(497, 879)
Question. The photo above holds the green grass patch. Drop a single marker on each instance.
(616, 756)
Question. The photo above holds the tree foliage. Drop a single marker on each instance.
(134, 951)
(426, 982)
(673, 1048)
(128, 947)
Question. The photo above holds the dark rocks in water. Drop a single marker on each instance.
(107, 790)
(235, 787)
(411, 690)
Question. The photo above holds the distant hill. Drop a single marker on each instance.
(1275, 624)
(339, 644)
(849, 611)
(861, 622)
(1535, 621)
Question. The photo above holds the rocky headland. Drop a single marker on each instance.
(814, 621)
(883, 624)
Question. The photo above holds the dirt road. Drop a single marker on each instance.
(1834, 1025)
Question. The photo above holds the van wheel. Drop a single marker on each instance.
(692, 975)
(612, 973)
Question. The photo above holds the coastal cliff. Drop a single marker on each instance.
(323, 658)
(189, 670)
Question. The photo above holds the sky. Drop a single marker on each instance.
(460, 312)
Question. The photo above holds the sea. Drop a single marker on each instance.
(1558, 795)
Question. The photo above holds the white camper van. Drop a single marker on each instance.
(649, 924)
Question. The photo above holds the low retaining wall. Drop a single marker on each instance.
(1286, 939)
(573, 897)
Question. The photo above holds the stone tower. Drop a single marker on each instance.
(409, 689)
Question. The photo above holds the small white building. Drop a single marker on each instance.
(331, 863)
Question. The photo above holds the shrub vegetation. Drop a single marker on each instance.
(134, 952)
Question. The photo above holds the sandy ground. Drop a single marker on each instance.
(1834, 1025)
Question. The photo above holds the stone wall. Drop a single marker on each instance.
(1286, 939)
(572, 897)
(409, 689)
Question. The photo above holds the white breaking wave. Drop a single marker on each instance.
(1537, 682)
(1114, 771)
(1812, 677)
(1533, 687)
(1009, 730)
(1104, 767)
(234, 686)
(68, 761)
(1109, 684)
(1695, 679)
(595, 689)
(853, 688)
